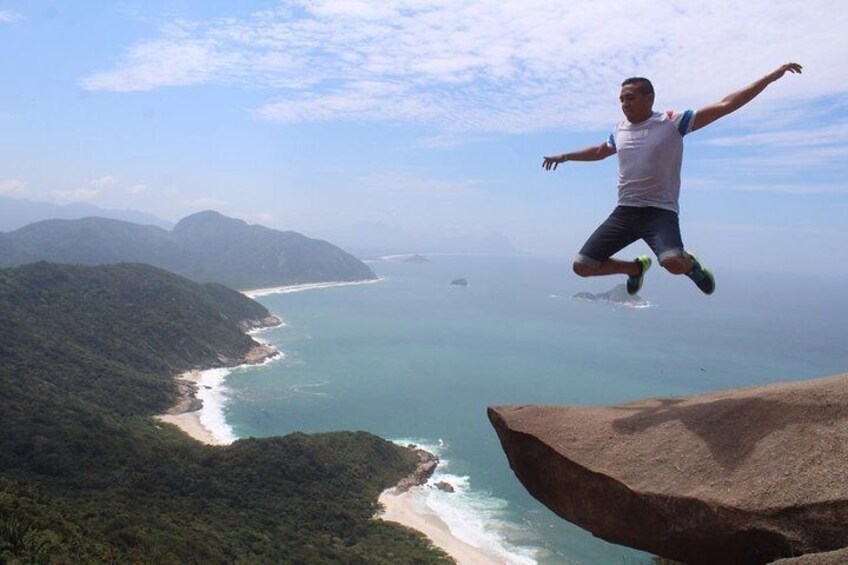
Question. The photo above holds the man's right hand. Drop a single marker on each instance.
(793, 68)
(549, 163)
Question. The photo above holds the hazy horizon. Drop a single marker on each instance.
(431, 117)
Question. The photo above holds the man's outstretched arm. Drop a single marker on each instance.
(596, 153)
(736, 100)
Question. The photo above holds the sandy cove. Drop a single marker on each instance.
(402, 505)
(399, 503)
(186, 413)
(403, 508)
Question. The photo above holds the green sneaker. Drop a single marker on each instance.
(701, 276)
(634, 282)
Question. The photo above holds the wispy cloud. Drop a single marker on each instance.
(74, 195)
(9, 16)
(90, 191)
(104, 181)
(13, 187)
(205, 203)
(403, 183)
(836, 134)
(487, 66)
(800, 158)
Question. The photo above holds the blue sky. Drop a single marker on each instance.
(431, 116)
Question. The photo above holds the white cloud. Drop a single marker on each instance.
(493, 66)
(104, 181)
(9, 16)
(75, 195)
(800, 158)
(205, 203)
(826, 135)
(403, 183)
(13, 187)
(136, 189)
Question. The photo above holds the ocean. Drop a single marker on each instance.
(415, 359)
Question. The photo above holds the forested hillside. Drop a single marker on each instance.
(204, 247)
(87, 356)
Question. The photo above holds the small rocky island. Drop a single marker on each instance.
(459, 282)
(418, 259)
(617, 296)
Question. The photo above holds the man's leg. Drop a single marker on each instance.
(616, 233)
(607, 267)
(662, 233)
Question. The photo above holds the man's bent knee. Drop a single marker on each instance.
(582, 269)
(677, 265)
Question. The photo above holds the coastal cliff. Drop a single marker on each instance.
(745, 476)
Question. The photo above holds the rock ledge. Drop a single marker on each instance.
(742, 476)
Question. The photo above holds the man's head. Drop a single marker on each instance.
(637, 99)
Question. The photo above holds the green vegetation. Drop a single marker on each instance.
(205, 247)
(87, 355)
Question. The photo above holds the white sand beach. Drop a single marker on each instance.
(185, 415)
(189, 422)
(257, 292)
(402, 509)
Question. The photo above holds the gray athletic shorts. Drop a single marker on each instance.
(659, 228)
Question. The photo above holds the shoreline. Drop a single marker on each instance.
(399, 503)
(403, 508)
(257, 292)
(185, 414)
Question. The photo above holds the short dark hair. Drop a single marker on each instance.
(645, 86)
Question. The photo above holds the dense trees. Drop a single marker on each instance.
(87, 355)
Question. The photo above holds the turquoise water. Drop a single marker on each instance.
(412, 358)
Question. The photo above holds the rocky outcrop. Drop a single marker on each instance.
(745, 476)
(427, 463)
(617, 296)
(266, 322)
(839, 557)
(419, 259)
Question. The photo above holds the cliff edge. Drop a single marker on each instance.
(742, 476)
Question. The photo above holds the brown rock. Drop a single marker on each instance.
(742, 476)
(839, 557)
(427, 463)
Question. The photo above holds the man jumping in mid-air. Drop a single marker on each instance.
(649, 146)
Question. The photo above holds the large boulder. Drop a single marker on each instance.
(743, 476)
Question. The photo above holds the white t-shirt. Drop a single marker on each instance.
(650, 156)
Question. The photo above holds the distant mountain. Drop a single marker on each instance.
(87, 356)
(204, 247)
(18, 212)
(371, 239)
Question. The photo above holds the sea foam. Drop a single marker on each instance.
(477, 518)
(212, 391)
(256, 293)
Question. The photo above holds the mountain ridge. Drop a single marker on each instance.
(205, 247)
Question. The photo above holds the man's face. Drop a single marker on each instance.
(637, 107)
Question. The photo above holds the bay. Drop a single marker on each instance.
(415, 359)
